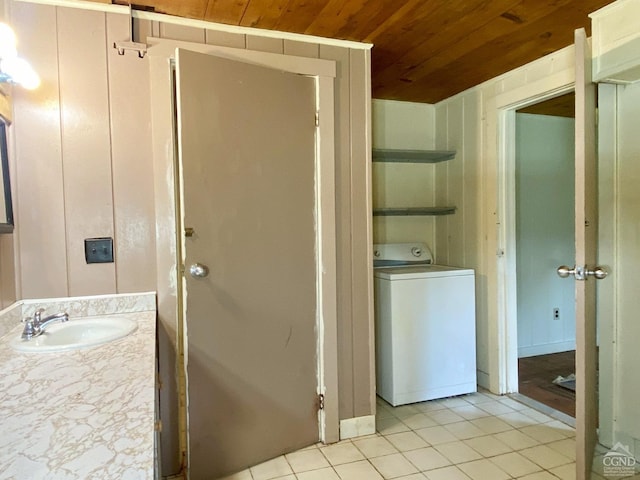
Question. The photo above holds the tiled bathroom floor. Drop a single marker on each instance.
(478, 436)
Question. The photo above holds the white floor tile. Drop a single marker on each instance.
(454, 402)
(515, 464)
(566, 447)
(405, 411)
(343, 452)
(470, 412)
(565, 472)
(536, 415)
(393, 466)
(415, 476)
(436, 435)
(375, 447)
(483, 470)
(517, 419)
(446, 473)
(275, 468)
(478, 398)
(244, 475)
(306, 460)
(286, 477)
(495, 408)
(464, 430)
(427, 458)
(443, 417)
(539, 476)
(511, 403)
(516, 439)
(458, 452)
(488, 446)
(490, 425)
(430, 406)
(406, 441)
(563, 428)
(545, 456)
(390, 425)
(362, 470)
(418, 420)
(322, 474)
(543, 433)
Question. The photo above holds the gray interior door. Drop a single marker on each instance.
(246, 139)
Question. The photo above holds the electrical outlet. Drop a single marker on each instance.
(556, 313)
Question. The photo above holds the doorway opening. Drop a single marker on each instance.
(544, 239)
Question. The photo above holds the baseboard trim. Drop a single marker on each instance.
(483, 380)
(357, 427)
(546, 349)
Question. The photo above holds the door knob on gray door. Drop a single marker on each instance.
(581, 273)
(197, 270)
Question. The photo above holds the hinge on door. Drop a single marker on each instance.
(317, 119)
(320, 401)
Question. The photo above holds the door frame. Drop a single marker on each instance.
(505, 334)
(161, 55)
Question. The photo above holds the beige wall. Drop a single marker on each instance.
(83, 158)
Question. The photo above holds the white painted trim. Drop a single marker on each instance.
(357, 427)
(483, 379)
(506, 362)
(545, 349)
(190, 22)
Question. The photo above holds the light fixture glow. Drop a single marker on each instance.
(7, 41)
(14, 69)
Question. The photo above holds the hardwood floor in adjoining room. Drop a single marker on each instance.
(536, 375)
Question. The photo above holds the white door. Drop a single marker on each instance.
(247, 149)
(585, 272)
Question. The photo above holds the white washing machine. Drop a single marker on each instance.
(425, 325)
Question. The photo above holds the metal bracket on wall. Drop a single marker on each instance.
(130, 44)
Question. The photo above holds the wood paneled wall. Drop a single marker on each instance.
(474, 236)
(83, 157)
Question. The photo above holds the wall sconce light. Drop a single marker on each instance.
(14, 69)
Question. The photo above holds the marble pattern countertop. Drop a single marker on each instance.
(83, 414)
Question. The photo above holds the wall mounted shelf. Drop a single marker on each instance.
(411, 156)
(415, 211)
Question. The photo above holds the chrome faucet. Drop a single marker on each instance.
(35, 326)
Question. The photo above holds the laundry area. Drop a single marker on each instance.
(424, 292)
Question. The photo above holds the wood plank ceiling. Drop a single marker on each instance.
(424, 50)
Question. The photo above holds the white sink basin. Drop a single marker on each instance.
(74, 334)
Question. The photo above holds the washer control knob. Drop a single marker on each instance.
(376, 253)
(416, 251)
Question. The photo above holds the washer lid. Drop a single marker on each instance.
(420, 271)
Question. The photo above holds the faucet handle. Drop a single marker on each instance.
(37, 316)
(29, 328)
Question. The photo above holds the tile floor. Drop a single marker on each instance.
(478, 436)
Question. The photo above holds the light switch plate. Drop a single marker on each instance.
(98, 250)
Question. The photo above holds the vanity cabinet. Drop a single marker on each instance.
(413, 156)
(616, 42)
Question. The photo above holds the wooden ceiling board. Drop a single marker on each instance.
(446, 41)
(424, 50)
(225, 11)
(562, 106)
(465, 65)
